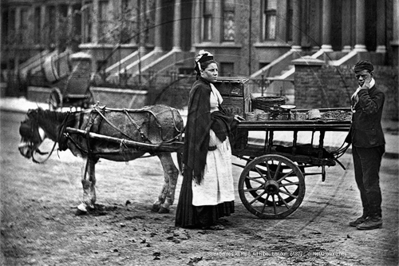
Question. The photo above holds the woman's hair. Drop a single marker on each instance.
(202, 61)
(203, 65)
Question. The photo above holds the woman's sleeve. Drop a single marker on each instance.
(196, 137)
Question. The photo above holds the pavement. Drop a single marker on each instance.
(332, 140)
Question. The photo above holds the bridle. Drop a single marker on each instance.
(42, 153)
(29, 127)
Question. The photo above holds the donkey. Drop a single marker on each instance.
(151, 126)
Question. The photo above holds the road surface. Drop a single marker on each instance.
(39, 225)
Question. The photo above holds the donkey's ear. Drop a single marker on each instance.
(32, 113)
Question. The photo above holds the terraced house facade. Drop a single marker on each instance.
(143, 39)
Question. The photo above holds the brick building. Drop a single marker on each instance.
(140, 39)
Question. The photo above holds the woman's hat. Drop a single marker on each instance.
(203, 56)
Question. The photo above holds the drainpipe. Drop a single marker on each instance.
(250, 39)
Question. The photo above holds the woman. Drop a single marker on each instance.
(207, 191)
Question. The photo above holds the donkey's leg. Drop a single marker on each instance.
(88, 184)
(171, 174)
(161, 198)
(165, 189)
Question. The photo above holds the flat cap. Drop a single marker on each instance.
(363, 65)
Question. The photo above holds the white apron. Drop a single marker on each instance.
(217, 185)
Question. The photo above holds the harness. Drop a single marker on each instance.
(92, 122)
(97, 117)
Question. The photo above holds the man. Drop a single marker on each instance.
(368, 145)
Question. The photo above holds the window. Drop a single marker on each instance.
(226, 69)
(186, 71)
(11, 28)
(289, 21)
(50, 26)
(4, 27)
(64, 27)
(228, 20)
(269, 20)
(77, 23)
(86, 22)
(126, 27)
(24, 30)
(102, 21)
(208, 12)
(63, 10)
(37, 26)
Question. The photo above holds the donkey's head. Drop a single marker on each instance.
(31, 135)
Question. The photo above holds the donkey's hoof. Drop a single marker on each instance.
(82, 207)
(155, 208)
(163, 210)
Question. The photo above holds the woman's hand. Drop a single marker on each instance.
(238, 118)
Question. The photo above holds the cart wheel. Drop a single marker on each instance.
(287, 198)
(55, 99)
(271, 193)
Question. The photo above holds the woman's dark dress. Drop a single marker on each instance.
(196, 146)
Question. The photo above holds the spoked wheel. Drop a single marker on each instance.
(271, 186)
(55, 99)
(282, 171)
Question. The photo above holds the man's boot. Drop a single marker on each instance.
(359, 220)
(373, 222)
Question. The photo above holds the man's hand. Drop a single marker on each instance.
(366, 84)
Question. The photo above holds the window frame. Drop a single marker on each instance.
(207, 18)
(103, 9)
(290, 21)
(266, 25)
(228, 9)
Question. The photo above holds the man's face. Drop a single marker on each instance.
(363, 76)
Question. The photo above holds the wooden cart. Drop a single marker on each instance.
(72, 89)
(272, 183)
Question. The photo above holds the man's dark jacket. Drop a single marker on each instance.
(366, 130)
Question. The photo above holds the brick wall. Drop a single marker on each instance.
(321, 86)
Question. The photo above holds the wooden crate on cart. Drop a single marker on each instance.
(235, 93)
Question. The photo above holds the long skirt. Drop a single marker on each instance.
(201, 205)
